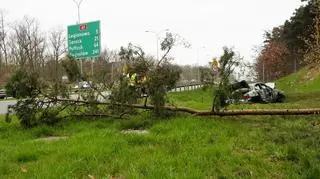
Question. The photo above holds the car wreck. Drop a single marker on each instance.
(3, 94)
(243, 92)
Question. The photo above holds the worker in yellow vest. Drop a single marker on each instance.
(215, 65)
(133, 79)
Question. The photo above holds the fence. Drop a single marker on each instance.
(187, 87)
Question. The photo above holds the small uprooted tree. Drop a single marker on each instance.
(228, 62)
(30, 109)
(144, 77)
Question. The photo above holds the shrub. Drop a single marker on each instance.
(23, 84)
(161, 76)
(33, 106)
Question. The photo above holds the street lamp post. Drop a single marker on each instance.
(198, 60)
(78, 3)
(157, 36)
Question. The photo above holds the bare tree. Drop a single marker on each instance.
(3, 40)
(14, 52)
(57, 47)
(109, 55)
(113, 62)
(28, 44)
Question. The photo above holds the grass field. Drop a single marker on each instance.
(302, 90)
(202, 100)
(181, 146)
(307, 80)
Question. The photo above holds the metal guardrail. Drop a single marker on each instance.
(188, 84)
(178, 88)
(187, 87)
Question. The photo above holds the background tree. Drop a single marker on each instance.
(272, 61)
(207, 75)
(286, 45)
(190, 73)
(28, 44)
(108, 66)
(3, 42)
(57, 48)
(312, 55)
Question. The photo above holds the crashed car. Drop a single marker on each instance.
(255, 93)
(3, 94)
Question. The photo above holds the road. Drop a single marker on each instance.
(4, 105)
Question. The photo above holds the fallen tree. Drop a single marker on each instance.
(40, 102)
(312, 111)
(282, 112)
(35, 111)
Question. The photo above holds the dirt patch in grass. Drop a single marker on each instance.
(130, 131)
(51, 138)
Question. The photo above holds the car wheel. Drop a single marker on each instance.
(280, 98)
(256, 99)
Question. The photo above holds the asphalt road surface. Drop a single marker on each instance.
(4, 105)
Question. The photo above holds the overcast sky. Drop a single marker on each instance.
(203, 23)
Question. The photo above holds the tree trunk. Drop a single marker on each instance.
(281, 112)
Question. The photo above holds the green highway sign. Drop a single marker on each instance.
(84, 40)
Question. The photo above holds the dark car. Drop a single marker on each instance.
(255, 93)
(3, 94)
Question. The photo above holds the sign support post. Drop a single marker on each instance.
(78, 6)
(84, 41)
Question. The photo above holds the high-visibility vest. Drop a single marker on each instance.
(144, 80)
(132, 80)
(215, 64)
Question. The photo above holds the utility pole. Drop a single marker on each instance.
(111, 71)
(263, 80)
(198, 60)
(78, 3)
(92, 59)
(295, 64)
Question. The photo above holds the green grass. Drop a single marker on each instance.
(202, 100)
(197, 99)
(182, 147)
(302, 90)
(304, 81)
